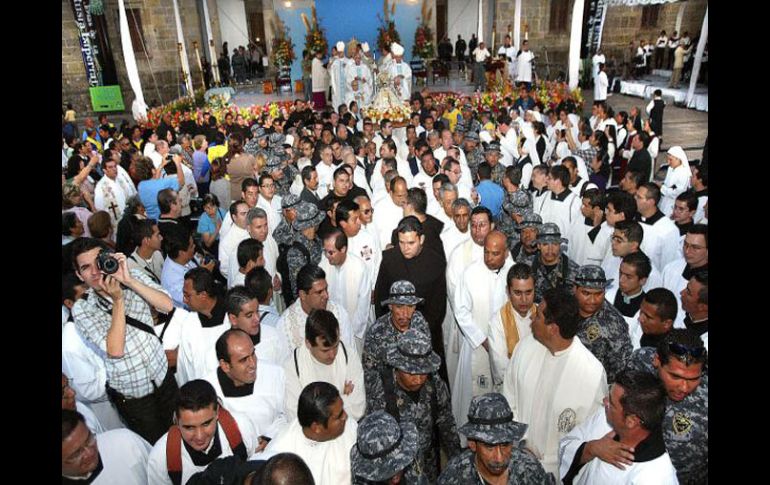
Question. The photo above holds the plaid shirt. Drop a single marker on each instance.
(587, 154)
(144, 360)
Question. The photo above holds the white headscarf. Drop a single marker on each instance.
(678, 152)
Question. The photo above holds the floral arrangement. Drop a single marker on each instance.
(551, 93)
(283, 49)
(398, 114)
(315, 38)
(386, 32)
(423, 37)
(219, 108)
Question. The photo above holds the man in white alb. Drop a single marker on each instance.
(553, 382)
(524, 65)
(400, 72)
(337, 67)
(112, 191)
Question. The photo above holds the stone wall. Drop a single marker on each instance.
(622, 24)
(159, 68)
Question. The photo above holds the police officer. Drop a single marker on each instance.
(306, 226)
(473, 152)
(515, 206)
(602, 328)
(402, 316)
(284, 233)
(681, 361)
(385, 451)
(551, 267)
(258, 143)
(525, 249)
(410, 389)
(493, 454)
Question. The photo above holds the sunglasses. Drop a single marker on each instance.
(685, 353)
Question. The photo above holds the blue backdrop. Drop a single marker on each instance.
(344, 19)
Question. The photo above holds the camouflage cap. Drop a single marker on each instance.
(472, 136)
(258, 131)
(412, 352)
(460, 128)
(384, 446)
(518, 202)
(490, 420)
(308, 215)
(402, 292)
(289, 200)
(277, 139)
(492, 146)
(549, 233)
(530, 219)
(591, 276)
(273, 162)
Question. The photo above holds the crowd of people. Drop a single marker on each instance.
(520, 298)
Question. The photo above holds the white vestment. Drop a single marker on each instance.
(452, 237)
(509, 146)
(524, 64)
(363, 94)
(677, 182)
(561, 213)
(478, 296)
(157, 469)
(325, 178)
(611, 267)
(581, 249)
(273, 209)
(124, 458)
(659, 471)
(346, 367)
(673, 280)
(498, 347)
(196, 343)
(387, 215)
(337, 68)
(110, 196)
(552, 393)
(228, 247)
(329, 461)
(264, 406)
(294, 318)
(92, 422)
(402, 69)
(366, 246)
(660, 241)
(458, 261)
(350, 286)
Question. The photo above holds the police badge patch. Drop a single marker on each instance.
(593, 332)
(682, 424)
(567, 420)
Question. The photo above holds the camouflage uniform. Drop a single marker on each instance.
(520, 256)
(430, 408)
(498, 170)
(252, 146)
(474, 157)
(384, 448)
(605, 333)
(308, 215)
(685, 425)
(379, 336)
(490, 421)
(284, 234)
(519, 203)
(524, 469)
(561, 274)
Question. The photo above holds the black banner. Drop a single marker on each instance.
(94, 44)
(593, 14)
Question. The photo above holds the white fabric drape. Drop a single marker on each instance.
(574, 43)
(210, 40)
(517, 25)
(480, 32)
(679, 17)
(140, 107)
(180, 40)
(704, 33)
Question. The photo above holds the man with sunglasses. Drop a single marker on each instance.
(117, 456)
(681, 362)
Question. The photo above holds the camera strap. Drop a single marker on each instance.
(129, 319)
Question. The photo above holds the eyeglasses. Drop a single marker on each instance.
(78, 455)
(368, 211)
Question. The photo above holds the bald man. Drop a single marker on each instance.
(479, 295)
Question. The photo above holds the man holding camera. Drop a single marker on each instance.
(114, 315)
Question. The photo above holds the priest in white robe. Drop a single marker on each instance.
(400, 72)
(511, 324)
(292, 322)
(388, 212)
(651, 463)
(661, 236)
(250, 386)
(480, 294)
(235, 235)
(553, 382)
(202, 442)
(197, 341)
(459, 260)
(323, 357)
(350, 283)
(337, 67)
(359, 82)
(119, 455)
(324, 446)
(112, 191)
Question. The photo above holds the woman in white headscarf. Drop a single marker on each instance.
(677, 179)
